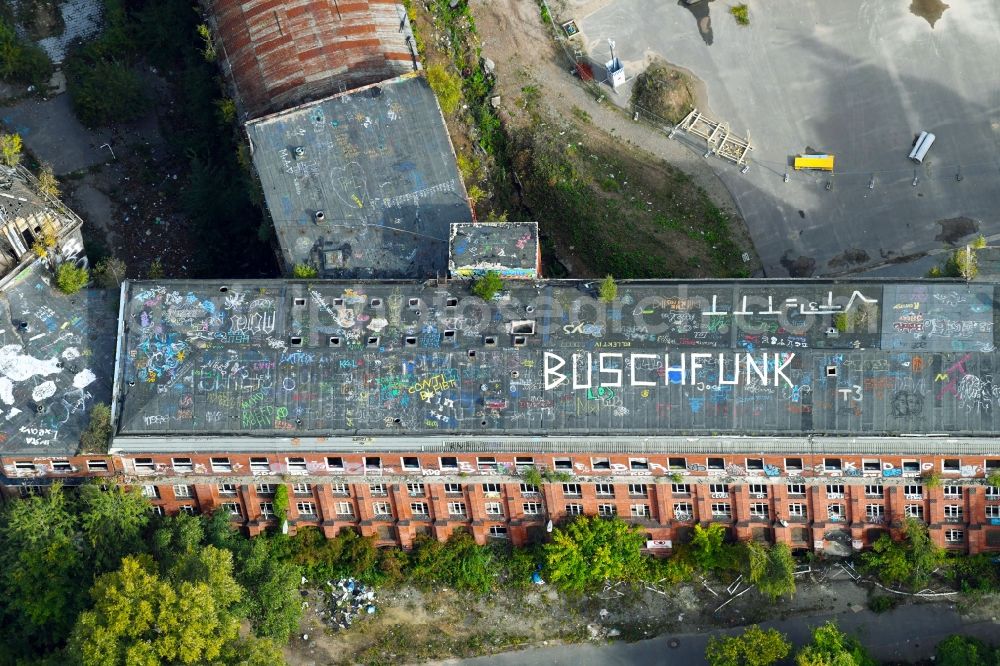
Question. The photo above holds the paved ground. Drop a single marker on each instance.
(857, 78)
(51, 131)
(906, 634)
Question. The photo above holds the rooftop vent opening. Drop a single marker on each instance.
(397, 420)
(131, 382)
(529, 309)
(410, 341)
(298, 302)
(449, 334)
(223, 289)
(832, 332)
(526, 327)
(831, 371)
(483, 422)
(451, 303)
(338, 302)
(520, 340)
(472, 353)
(414, 302)
(296, 341)
(320, 216)
(300, 152)
(334, 341)
(515, 374)
(490, 341)
(376, 302)
(373, 341)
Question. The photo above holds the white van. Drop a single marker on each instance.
(920, 148)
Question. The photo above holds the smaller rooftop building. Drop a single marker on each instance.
(29, 216)
(508, 248)
(280, 54)
(363, 184)
(56, 355)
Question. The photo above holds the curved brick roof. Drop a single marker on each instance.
(280, 53)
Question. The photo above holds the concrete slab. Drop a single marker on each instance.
(51, 131)
(858, 78)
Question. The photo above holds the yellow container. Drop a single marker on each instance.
(820, 162)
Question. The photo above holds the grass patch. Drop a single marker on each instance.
(882, 603)
(623, 214)
(741, 13)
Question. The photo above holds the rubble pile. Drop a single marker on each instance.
(345, 600)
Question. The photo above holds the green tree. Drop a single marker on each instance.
(112, 522)
(142, 617)
(488, 286)
(253, 652)
(532, 476)
(459, 562)
(105, 92)
(909, 561)
(281, 505)
(208, 50)
(965, 651)
(608, 290)
(272, 603)
(741, 13)
(176, 538)
(590, 550)
(754, 647)
(832, 647)
(447, 87)
(47, 181)
(155, 270)
(10, 149)
(22, 61)
(708, 549)
(41, 572)
(304, 271)
(109, 272)
(347, 554)
(70, 278)
(962, 263)
(95, 438)
(932, 479)
(772, 569)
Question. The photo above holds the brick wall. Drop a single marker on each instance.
(834, 497)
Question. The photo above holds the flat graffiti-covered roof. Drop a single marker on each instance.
(363, 184)
(548, 359)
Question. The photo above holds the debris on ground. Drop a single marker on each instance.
(345, 600)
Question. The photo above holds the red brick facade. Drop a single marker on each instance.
(820, 502)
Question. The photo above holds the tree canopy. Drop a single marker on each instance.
(909, 561)
(771, 569)
(112, 520)
(754, 647)
(832, 647)
(965, 651)
(41, 570)
(141, 617)
(590, 550)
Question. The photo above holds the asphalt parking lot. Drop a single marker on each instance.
(855, 78)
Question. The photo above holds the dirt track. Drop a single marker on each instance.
(514, 37)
